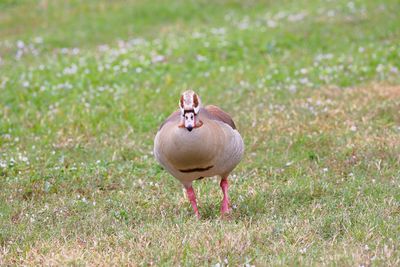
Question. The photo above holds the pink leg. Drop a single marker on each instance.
(192, 199)
(225, 201)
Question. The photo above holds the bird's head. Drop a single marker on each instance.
(189, 105)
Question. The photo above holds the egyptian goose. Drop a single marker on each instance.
(196, 142)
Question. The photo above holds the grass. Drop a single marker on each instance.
(312, 85)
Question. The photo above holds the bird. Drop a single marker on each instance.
(196, 142)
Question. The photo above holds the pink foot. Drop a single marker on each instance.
(225, 206)
(192, 198)
(225, 201)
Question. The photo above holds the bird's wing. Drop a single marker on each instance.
(218, 114)
(172, 118)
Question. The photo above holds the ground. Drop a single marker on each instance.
(313, 87)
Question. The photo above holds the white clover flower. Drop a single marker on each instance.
(331, 13)
(197, 35)
(158, 58)
(125, 62)
(296, 17)
(103, 48)
(244, 25)
(304, 80)
(3, 164)
(20, 44)
(38, 40)
(71, 70)
(280, 15)
(303, 250)
(201, 58)
(272, 23)
(218, 31)
(380, 68)
(293, 88)
(351, 6)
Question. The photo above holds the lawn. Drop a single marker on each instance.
(313, 86)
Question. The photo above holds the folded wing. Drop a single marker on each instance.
(218, 114)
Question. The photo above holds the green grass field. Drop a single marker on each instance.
(313, 86)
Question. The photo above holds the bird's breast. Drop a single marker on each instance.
(195, 149)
